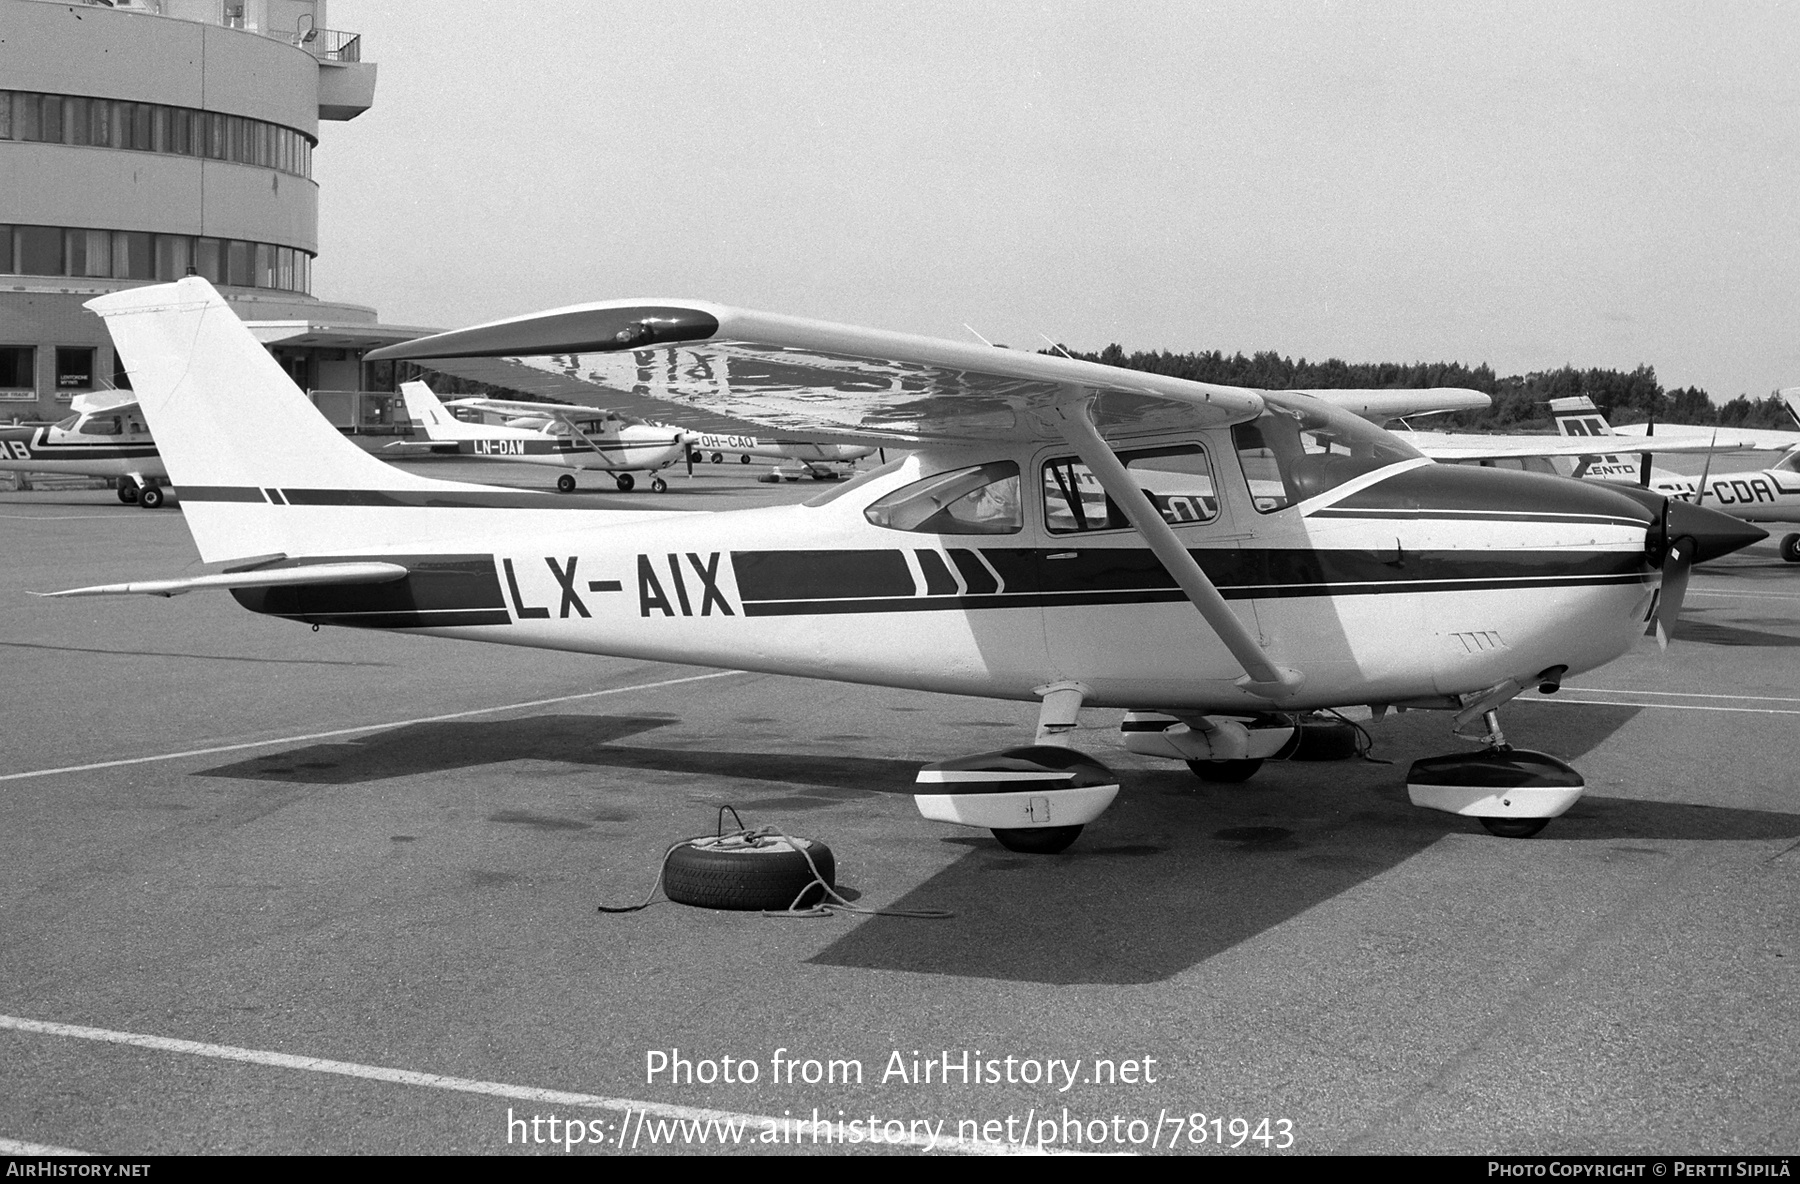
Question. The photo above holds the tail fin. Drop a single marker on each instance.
(431, 415)
(1791, 396)
(1578, 416)
(233, 429)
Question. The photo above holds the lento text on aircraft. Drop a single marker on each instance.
(670, 584)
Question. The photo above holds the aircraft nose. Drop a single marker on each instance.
(1714, 534)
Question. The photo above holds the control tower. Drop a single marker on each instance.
(140, 139)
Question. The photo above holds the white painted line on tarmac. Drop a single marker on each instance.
(1685, 695)
(636, 1112)
(139, 517)
(1744, 594)
(1662, 706)
(15, 1147)
(399, 723)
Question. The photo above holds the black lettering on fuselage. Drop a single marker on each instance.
(650, 591)
(567, 580)
(687, 610)
(709, 584)
(520, 608)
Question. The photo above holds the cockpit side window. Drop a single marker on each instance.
(103, 425)
(1299, 449)
(982, 499)
(1177, 480)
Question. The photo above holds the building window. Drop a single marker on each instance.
(152, 127)
(74, 368)
(137, 255)
(18, 369)
(39, 250)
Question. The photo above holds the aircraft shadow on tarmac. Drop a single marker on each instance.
(1707, 633)
(1173, 876)
(814, 779)
(1175, 873)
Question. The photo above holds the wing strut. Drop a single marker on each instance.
(1262, 677)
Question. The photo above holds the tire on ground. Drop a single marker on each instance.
(708, 875)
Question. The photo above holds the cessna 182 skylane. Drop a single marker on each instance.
(105, 437)
(970, 566)
(547, 434)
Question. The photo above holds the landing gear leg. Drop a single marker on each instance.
(1512, 792)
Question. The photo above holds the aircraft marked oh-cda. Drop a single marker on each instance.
(1246, 555)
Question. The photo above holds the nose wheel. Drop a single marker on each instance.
(658, 485)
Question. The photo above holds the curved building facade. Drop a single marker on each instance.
(141, 140)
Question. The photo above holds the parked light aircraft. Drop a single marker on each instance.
(547, 434)
(1768, 495)
(104, 437)
(969, 566)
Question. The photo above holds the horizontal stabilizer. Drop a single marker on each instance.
(318, 573)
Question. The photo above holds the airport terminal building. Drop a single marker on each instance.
(142, 139)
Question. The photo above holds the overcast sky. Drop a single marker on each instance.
(1525, 185)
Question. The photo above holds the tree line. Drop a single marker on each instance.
(1519, 401)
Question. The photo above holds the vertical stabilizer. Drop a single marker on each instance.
(1578, 416)
(230, 424)
(434, 419)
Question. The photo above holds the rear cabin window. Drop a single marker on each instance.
(1297, 450)
(1178, 481)
(982, 499)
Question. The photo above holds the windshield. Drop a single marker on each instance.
(983, 499)
(1300, 448)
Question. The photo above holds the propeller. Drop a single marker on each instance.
(1644, 457)
(1705, 472)
(1677, 565)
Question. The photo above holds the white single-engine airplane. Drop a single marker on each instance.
(1766, 495)
(974, 565)
(105, 437)
(547, 434)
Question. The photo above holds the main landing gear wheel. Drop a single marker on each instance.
(1226, 771)
(150, 497)
(128, 491)
(1790, 548)
(747, 872)
(1037, 840)
(718, 458)
(744, 459)
(1515, 828)
(658, 485)
(565, 483)
(626, 482)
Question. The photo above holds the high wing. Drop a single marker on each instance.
(1473, 446)
(1760, 439)
(709, 367)
(517, 407)
(1379, 406)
